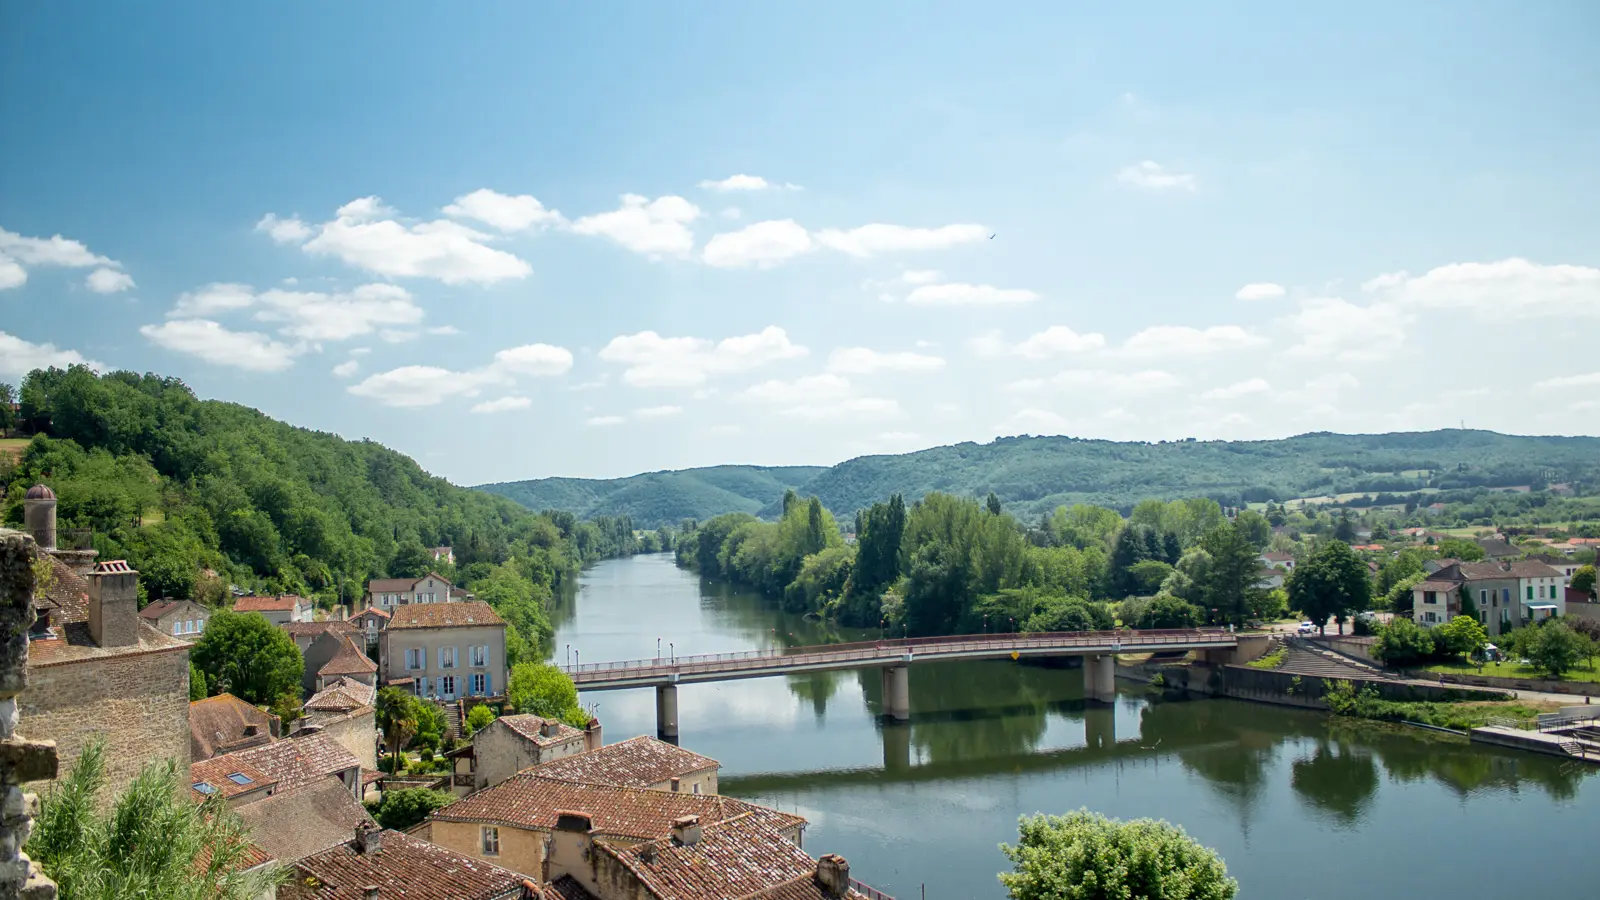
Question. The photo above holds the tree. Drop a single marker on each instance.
(1402, 643)
(1167, 611)
(1230, 585)
(544, 690)
(1401, 600)
(152, 842)
(1086, 856)
(993, 503)
(411, 560)
(197, 683)
(397, 716)
(1332, 582)
(1461, 636)
(245, 655)
(1345, 530)
(1583, 580)
(1256, 528)
(1067, 614)
(1460, 548)
(405, 807)
(8, 419)
(480, 717)
(1469, 606)
(1552, 647)
(1147, 576)
(431, 724)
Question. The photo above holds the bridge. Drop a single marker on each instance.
(892, 656)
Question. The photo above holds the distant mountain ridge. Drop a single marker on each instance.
(1032, 475)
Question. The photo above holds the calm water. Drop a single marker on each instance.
(1300, 807)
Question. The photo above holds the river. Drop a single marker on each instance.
(1302, 807)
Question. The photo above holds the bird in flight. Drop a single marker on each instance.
(991, 237)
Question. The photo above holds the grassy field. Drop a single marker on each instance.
(13, 447)
(1584, 672)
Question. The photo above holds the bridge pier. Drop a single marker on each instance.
(1100, 727)
(1100, 678)
(897, 693)
(896, 747)
(667, 712)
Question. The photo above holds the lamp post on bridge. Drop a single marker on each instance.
(672, 654)
(569, 656)
(658, 648)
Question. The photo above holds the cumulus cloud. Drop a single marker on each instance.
(744, 183)
(1057, 340)
(864, 361)
(1238, 389)
(654, 228)
(18, 253)
(1264, 290)
(1509, 289)
(603, 421)
(443, 330)
(314, 316)
(413, 386)
(347, 368)
(211, 342)
(761, 244)
(819, 397)
(108, 281)
(657, 412)
(1182, 340)
(12, 274)
(879, 238)
(958, 294)
(1334, 327)
(213, 299)
(366, 234)
(1151, 175)
(503, 404)
(1571, 381)
(534, 359)
(502, 211)
(19, 357)
(656, 361)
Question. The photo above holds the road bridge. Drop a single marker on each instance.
(893, 657)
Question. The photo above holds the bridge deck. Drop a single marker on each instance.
(891, 652)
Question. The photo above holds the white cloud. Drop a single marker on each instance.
(316, 316)
(761, 244)
(413, 386)
(1057, 340)
(725, 429)
(1152, 175)
(285, 231)
(864, 361)
(212, 299)
(957, 294)
(655, 361)
(502, 211)
(819, 397)
(360, 351)
(108, 281)
(1182, 340)
(19, 357)
(1101, 381)
(443, 330)
(1264, 290)
(657, 412)
(503, 404)
(654, 228)
(364, 234)
(603, 421)
(12, 274)
(741, 183)
(398, 335)
(1570, 381)
(1509, 289)
(1239, 389)
(921, 276)
(209, 341)
(1033, 421)
(534, 359)
(347, 368)
(1334, 327)
(871, 240)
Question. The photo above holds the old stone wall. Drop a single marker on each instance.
(21, 760)
(139, 702)
(358, 733)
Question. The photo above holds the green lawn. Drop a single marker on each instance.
(1270, 661)
(13, 447)
(1584, 671)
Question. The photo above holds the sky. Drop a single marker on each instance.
(520, 240)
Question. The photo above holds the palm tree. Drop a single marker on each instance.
(397, 716)
(154, 843)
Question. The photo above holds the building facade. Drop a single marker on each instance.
(445, 651)
(388, 593)
(279, 610)
(184, 619)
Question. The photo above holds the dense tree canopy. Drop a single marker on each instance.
(1331, 583)
(1085, 856)
(245, 655)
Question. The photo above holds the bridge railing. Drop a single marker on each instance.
(869, 650)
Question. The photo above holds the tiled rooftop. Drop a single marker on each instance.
(528, 727)
(217, 725)
(227, 775)
(350, 660)
(404, 868)
(299, 761)
(443, 615)
(343, 695)
(735, 858)
(637, 762)
(291, 825)
(67, 602)
(280, 603)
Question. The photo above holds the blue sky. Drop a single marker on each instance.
(519, 240)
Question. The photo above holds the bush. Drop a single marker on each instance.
(479, 718)
(1403, 643)
(405, 807)
(1551, 647)
(1086, 856)
(1167, 611)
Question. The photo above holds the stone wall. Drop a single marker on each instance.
(1269, 686)
(138, 701)
(358, 733)
(21, 760)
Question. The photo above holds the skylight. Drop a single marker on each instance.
(204, 788)
(240, 778)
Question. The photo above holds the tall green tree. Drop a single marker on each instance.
(544, 690)
(1086, 856)
(245, 655)
(993, 503)
(879, 531)
(1583, 579)
(396, 715)
(8, 418)
(1230, 587)
(1330, 583)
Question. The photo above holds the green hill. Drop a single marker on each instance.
(1032, 475)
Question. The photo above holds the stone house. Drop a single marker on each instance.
(388, 593)
(378, 864)
(334, 655)
(346, 711)
(445, 651)
(306, 632)
(514, 823)
(1507, 593)
(292, 825)
(224, 723)
(231, 777)
(281, 766)
(279, 610)
(641, 762)
(510, 744)
(180, 618)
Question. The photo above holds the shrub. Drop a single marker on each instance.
(405, 807)
(479, 718)
(1086, 856)
(1402, 643)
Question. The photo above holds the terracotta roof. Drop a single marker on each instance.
(344, 695)
(527, 801)
(805, 888)
(1277, 556)
(382, 614)
(404, 868)
(444, 615)
(291, 825)
(391, 585)
(735, 858)
(158, 609)
(217, 725)
(350, 660)
(298, 761)
(312, 629)
(67, 602)
(528, 727)
(637, 762)
(1522, 568)
(280, 603)
(1441, 586)
(216, 772)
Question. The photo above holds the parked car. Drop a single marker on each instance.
(1308, 628)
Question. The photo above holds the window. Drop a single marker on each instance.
(479, 655)
(199, 624)
(421, 686)
(447, 686)
(1483, 596)
(240, 778)
(480, 685)
(491, 841)
(697, 788)
(1530, 592)
(177, 628)
(415, 658)
(1430, 597)
(448, 657)
(204, 788)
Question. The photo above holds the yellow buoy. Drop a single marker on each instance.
(1013, 654)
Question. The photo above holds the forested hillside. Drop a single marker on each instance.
(661, 498)
(199, 495)
(1034, 475)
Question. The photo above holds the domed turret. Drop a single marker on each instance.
(39, 515)
(39, 492)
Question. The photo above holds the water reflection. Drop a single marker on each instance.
(1338, 778)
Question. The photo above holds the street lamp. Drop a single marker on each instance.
(658, 648)
(985, 623)
(672, 654)
(569, 656)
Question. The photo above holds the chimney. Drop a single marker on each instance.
(833, 875)
(686, 831)
(547, 728)
(369, 839)
(530, 891)
(39, 516)
(591, 735)
(370, 892)
(113, 604)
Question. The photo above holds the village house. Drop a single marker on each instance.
(279, 610)
(224, 723)
(445, 650)
(95, 669)
(1565, 565)
(1496, 549)
(280, 766)
(345, 710)
(306, 632)
(508, 745)
(1506, 593)
(180, 618)
(642, 762)
(513, 823)
(290, 826)
(443, 553)
(334, 655)
(230, 777)
(378, 864)
(1276, 559)
(389, 593)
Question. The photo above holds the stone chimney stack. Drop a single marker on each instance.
(114, 604)
(39, 516)
(369, 839)
(591, 735)
(686, 831)
(547, 728)
(833, 875)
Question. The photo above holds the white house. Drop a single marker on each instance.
(388, 593)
